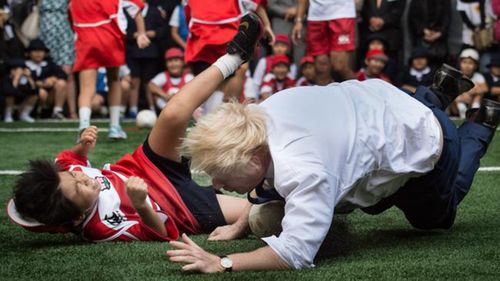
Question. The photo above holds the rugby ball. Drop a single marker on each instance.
(145, 119)
(265, 219)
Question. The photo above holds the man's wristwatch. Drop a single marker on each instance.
(226, 263)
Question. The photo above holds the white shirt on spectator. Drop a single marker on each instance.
(478, 78)
(321, 10)
(160, 79)
(343, 145)
(473, 12)
(174, 18)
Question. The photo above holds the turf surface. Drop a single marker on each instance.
(382, 247)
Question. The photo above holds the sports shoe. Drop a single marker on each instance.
(448, 84)
(249, 33)
(116, 133)
(26, 118)
(488, 114)
(58, 115)
(8, 119)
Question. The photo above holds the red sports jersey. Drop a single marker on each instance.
(271, 85)
(361, 76)
(212, 24)
(171, 88)
(114, 217)
(100, 27)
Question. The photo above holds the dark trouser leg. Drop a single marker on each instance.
(474, 141)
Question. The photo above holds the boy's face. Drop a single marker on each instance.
(308, 71)
(280, 48)
(80, 189)
(419, 63)
(375, 66)
(468, 66)
(280, 71)
(37, 55)
(175, 66)
(376, 45)
(495, 70)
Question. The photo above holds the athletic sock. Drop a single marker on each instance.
(84, 113)
(26, 110)
(133, 109)
(8, 112)
(57, 109)
(114, 116)
(227, 64)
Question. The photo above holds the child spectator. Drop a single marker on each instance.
(493, 78)
(18, 87)
(166, 84)
(144, 63)
(469, 63)
(278, 79)
(281, 47)
(100, 99)
(308, 72)
(375, 62)
(178, 26)
(100, 29)
(49, 78)
(419, 73)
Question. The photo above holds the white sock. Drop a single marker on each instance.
(57, 109)
(27, 110)
(152, 108)
(123, 109)
(84, 113)
(8, 112)
(462, 108)
(227, 64)
(114, 116)
(133, 109)
(476, 104)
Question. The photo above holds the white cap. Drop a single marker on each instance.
(469, 53)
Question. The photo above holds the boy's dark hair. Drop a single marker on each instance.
(37, 195)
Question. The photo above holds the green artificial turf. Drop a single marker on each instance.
(382, 247)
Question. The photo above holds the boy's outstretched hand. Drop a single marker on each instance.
(88, 138)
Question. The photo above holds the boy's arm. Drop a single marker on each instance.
(88, 139)
(137, 191)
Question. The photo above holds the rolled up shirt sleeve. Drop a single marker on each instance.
(308, 215)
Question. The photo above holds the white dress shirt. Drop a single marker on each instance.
(344, 145)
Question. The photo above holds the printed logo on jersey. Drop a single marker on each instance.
(104, 182)
(344, 39)
(115, 218)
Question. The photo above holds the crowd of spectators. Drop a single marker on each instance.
(37, 79)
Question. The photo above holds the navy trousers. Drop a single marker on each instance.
(431, 201)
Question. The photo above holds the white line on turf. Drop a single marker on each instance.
(17, 172)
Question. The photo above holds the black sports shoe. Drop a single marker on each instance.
(448, 84)
(249, 33)
(488, 114)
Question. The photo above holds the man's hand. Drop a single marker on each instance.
(193, 256)
(142, 40)
(88, 138)
(137, 191)
(227, 232)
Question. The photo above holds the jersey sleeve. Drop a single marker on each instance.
(309, 210)
(133, 7)
(67, 158)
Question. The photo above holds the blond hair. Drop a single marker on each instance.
(223, 142)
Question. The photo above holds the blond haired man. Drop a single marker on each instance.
(351, 145)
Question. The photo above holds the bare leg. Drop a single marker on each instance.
(341, 64)
(135, 83)
(60, 93)
(232, 207)
(87, 80)
(70, 91)
(322, 66)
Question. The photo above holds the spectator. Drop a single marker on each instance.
(10, 45)
(428, 23)
(419, 73)
(308, 72)
(493, 78)
(278, 79)
(18, 87)
(495, 4)
(475, 15)
(100, 43)
(178, 26)
(56, 33)
(167, 83)
(375, 63)
(330, 34)
(282, 14)
(384, 16)
(49, 78)
(378, 41)
(280, 47)
(469, 63)
(143, 62)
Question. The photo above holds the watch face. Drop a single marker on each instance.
(226, 262)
